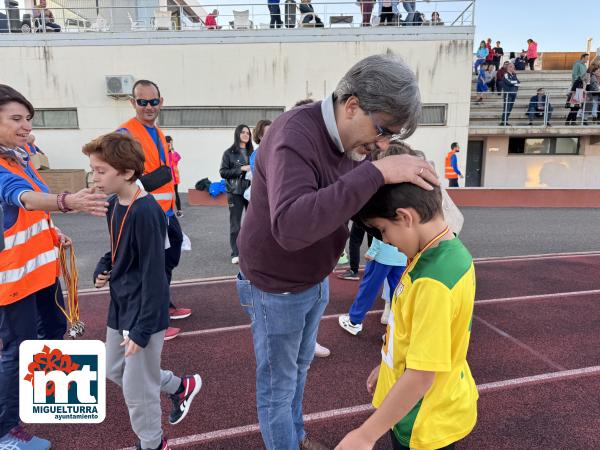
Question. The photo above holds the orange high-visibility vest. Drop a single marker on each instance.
(164, 195)
(29, 261)
(449, 170)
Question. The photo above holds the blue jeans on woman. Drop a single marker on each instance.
(33, 317)
(284, 330)
(411, 8)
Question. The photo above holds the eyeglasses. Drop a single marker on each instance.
(143, 102)
(382, 132)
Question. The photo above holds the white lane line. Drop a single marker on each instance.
(538, 379)
(247, 326)
(541, 256)
(359, 409)
(379, 311)
(520, 343)
(492, 259)
(537, 297)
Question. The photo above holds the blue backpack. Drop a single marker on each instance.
(217, 188)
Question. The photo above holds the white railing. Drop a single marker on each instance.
(500, 109)
(288, 14)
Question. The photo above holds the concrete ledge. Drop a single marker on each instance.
(202, 198)
(526, 198)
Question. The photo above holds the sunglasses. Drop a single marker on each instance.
(143, 102)
(382, 132)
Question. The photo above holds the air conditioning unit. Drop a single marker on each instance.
(119, 85)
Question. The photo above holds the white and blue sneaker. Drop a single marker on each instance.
(346, 324)
(19, 439)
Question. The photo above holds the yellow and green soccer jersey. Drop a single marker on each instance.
(429, 329)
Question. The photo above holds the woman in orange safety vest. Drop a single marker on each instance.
(29, 265)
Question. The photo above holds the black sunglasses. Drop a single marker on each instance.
(143, 102)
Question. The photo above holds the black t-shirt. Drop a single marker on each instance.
(498, 52)
(139, 290)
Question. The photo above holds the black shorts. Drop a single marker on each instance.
(398, 446)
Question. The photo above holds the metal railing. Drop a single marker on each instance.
(80, 17)
(500, 109)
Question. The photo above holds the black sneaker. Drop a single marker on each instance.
(183, 401)
(349, 275)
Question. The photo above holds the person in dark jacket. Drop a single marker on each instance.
(537, 107)
(307, 10)
(235, 164)
(521, 61)
(510, 86)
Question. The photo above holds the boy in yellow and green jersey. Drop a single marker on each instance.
(425, 394)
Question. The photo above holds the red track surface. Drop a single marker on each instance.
(510, 340)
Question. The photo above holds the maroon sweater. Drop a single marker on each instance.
(304, 192)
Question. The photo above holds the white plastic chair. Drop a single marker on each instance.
(241, 19)
(136, 25)
(162, 20)
(99, 25)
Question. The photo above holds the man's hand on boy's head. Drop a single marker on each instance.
(407, 169)
(355, 440)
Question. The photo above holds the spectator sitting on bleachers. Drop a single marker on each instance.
(537, 106)
(44, 19)
(310, 17)
(521, 61)
(490, 77)
(500, 77)
(211, 20)
(435, 19)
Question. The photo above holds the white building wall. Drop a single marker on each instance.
(225, 72)
(502, 169)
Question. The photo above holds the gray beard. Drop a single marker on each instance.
(355, 156)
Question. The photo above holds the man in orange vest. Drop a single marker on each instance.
(157, 178)
(451, 169)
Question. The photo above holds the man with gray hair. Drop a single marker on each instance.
(310, 178)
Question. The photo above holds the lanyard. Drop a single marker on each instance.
(419, 253)
(113, 246)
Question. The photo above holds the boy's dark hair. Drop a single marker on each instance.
(454, 145)
(404, 195)
(144, 83)
(169, 139)
(583, 55)
(259, 130)
(385, 202)
(118, 150)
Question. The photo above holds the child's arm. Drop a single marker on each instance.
(150, 231)
(102, 272)
(407, 391)
(373, 250)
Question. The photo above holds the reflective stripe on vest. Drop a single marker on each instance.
(29, 262)
(153, 161)
(449, 170)
(23, 236)
(10, 276)
(161, 197)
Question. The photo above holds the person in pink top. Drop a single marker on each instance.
(532, 53)
(210, 21)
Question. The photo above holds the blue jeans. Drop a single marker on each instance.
(509, 101)
(284, 330)
(370, 285)
(411, 8)
(33, 317)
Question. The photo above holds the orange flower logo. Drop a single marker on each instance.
(47, 361)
